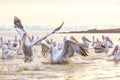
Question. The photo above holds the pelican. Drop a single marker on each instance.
(100, 46)
(20, 50)
(59, 56)
(6, 53)
(116, 54)
(11, 46)
(27, 42)
(109, 43)
(8, 49)
(94, 43)
(85, 43)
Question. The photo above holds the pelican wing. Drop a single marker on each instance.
(20, 29)
(44, 37)
(68, 51)
(70, 47)
(45, 49)
(58, 28)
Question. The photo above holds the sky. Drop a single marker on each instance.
(47, 14)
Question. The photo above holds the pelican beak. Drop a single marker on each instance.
(24, 37)
(74, 39)
(87, 40)
(116, 48)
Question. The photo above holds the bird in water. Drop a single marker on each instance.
(85, 43)
(116, 54)
(8, 49)
(60, 55)
(27, 41)
(100, 46)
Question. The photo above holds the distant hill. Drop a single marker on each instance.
(117, 30)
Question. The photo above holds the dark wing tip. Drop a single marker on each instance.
(84, 51)
(81, 50)
(58, 28)
(17, 22)
(16, 19)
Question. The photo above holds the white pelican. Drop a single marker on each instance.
(8, 49)
(109, 43)
(6, 53)
(27, 42)
(11, 46)
(85, 43)
(95, 42)
(100, 46)
(70, 47)
(116, 54)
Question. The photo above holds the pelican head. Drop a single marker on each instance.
(64, 39)
(115, 50)
(85, 39)
(103, 37)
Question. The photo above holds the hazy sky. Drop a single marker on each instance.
(50, 13)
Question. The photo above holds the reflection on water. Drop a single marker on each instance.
(97, 66)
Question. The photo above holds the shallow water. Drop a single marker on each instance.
(97, 66)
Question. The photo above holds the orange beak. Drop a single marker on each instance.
(114, 51)
(24, 37)
(73, 38)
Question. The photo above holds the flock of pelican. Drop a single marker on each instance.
(66, 49)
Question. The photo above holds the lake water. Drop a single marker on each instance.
(97, 66)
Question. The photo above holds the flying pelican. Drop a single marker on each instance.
(70, 47)
(27, 42)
